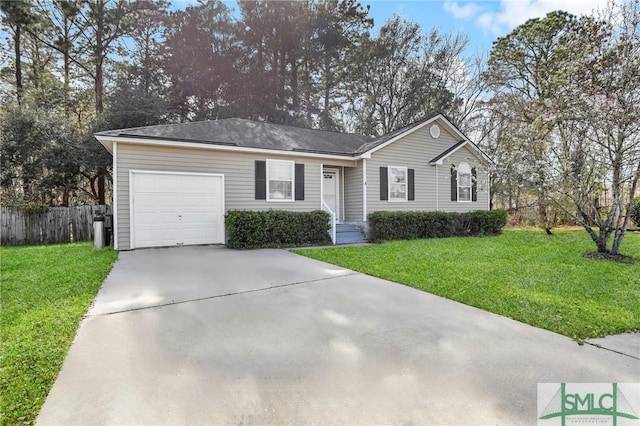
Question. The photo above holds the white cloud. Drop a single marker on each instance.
(461, 12)
(511, 13)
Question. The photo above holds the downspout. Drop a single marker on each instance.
(114, 192)
(364, 189)
(342, 214)
(321, 186)
(488, 190)
(437, 191)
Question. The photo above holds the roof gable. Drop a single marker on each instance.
(396, 135)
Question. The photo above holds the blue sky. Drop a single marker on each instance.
(482, 20)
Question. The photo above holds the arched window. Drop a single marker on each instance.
(464, 182)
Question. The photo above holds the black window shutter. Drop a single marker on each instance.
(411, 186)
(474, 185)
(454, 183)
(384, 184)
(261, 180)
(299, 193)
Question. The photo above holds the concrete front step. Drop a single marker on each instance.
(348, 234)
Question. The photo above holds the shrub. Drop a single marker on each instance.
(276, 228)
(635, 211)
(488, 222)
(411, 225)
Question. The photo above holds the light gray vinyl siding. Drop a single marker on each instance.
(238, 170)
(444, 183)
(353, 193)
(414, 151)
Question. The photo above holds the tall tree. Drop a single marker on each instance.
(400, 76)
(200, 60)
(338, 28)
(138, 95)
(572, 88)
(37, 157)
(102, 24)
(61, 16)
(521, 71)
(17, 16)
(275, 47)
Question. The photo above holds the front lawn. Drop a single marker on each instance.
(522, 274)
(45, 292)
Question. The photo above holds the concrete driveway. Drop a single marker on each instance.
(207, 335)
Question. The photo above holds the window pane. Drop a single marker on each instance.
(279, 170)
(280, 179)
(397, 191)
(465, 180)
(280, 190)
(464, 194)
(398, 175)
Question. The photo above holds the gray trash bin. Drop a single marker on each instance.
(98, 232)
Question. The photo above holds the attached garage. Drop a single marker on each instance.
(174, 208)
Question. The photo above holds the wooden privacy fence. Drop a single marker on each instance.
(54, 225)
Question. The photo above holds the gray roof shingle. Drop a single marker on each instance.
(251, 134)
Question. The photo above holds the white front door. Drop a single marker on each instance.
(331, 192)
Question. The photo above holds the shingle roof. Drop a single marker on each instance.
(447, 152)
(257, 134)
(250, 134)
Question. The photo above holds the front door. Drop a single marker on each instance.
(330, 191)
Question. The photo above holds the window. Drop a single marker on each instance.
(280, 180)
(464, 182)
(397, 183)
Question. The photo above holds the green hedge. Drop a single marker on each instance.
(411, 225)
(635, 211)
(276, 228)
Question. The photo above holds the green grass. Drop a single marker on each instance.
(522, 274)
(45, 292)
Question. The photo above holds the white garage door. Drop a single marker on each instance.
(169, 209)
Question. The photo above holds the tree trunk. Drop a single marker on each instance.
(327, 91)
(67, 68)
(601, 239)
(18, 60)
(620, 232)
(35, 64)
(101, 188)
(294, 86)
(99, 84)
(282, 80)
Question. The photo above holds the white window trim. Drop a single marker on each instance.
(470, 183)
(406, 185)
(293, 182)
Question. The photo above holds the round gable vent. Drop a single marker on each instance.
(435, 131)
